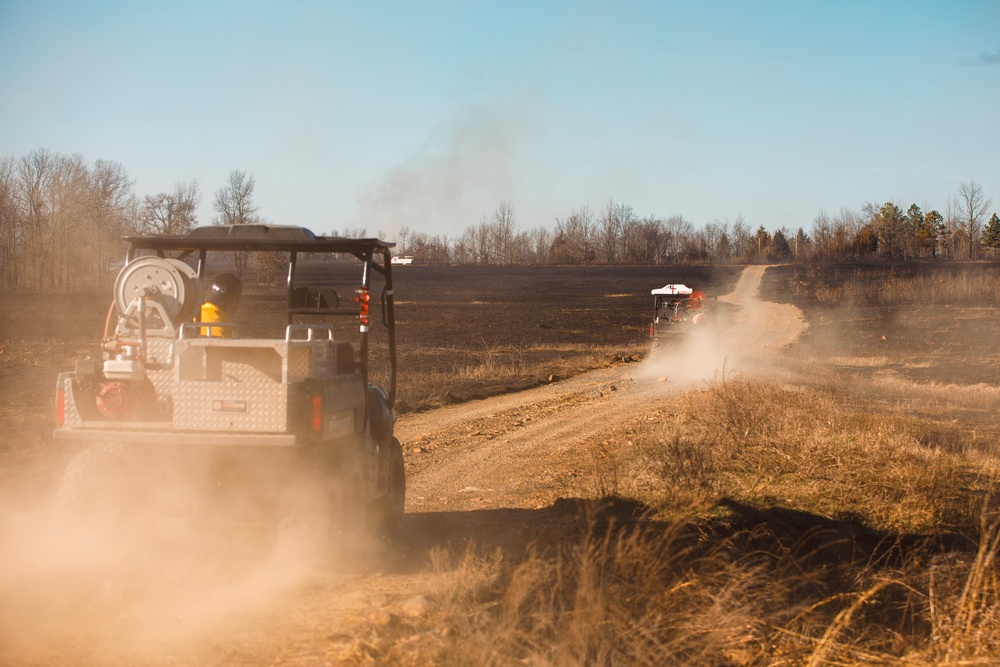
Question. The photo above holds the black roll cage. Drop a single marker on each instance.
(294, 241)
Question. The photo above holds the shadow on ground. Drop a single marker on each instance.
(826, 544)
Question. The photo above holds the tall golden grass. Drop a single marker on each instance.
(778, 525)
(890, 286)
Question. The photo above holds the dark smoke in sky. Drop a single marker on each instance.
(990, 58)
(460, 173)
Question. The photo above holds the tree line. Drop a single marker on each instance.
(62, 220)
(616, 235)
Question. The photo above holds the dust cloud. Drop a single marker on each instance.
(746, 338)
(116, 567)
(685, 361)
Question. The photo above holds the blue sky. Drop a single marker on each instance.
(380, 114)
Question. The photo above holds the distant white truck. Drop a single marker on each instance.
(402, 260)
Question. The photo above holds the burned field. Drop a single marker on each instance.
(536, 319)
(467, 333)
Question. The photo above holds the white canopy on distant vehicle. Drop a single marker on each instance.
(672, 289)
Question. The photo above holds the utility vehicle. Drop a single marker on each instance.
(314, 394)
(679, 310)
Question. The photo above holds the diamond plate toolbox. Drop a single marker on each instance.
(235, 385)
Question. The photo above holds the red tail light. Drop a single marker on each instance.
(363, 300)
(60, 407)
(317, 413)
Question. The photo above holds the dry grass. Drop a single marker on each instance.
(818, 450)
(846, 516)
(970, 284)
(805, 524)
(691, 591)
(491, 368)
(633, 594)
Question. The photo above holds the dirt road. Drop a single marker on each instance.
(762, 326)
(524, 449)
(487, 471)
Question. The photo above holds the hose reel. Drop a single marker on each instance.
(167, 287)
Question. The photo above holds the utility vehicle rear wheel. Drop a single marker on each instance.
(346, 492)
(387, 512)
(98, 482)
(101, 498)
(324, 511)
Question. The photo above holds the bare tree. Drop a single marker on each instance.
(35, 172)
(464, 249)
(609, 229)
(678, 233)
(822, 233)
(350, 232)
(439, 249)
(647, 241)
(725, 246)
(483, 246)
(626, 230)
(503, 224)
(573, 241)
(170, 212)
(540, 240)
(234, 205)
(402, 237)
(234, 202)
(742, 239)
(973, 206)
(846, 226)
(111, 204)
(69, 217)
(712, 234)
(953, 234)
(60, 220)
(9, 228)
(183, 203)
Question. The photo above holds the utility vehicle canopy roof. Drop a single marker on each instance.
(672, 289)
(280, 238)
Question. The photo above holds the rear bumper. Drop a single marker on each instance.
(175, 438)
